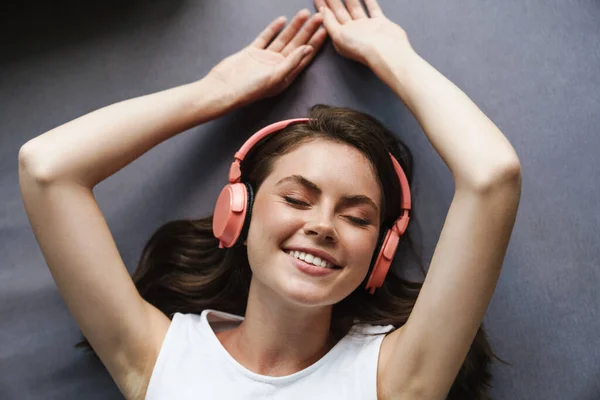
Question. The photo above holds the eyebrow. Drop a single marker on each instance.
(354, 199)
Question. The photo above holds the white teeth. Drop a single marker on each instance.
(309, 258)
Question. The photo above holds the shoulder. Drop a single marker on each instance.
(368, 346)
(368, 339)
(368, 332)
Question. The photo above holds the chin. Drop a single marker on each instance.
(307, 294)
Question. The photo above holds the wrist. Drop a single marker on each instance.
(394, 67)
(209, 99)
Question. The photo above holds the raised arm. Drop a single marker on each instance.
(57, 172)
(93, 147)
(421, 360)
(473, 148)
(467, 260)
(59, 169)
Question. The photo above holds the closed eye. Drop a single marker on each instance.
(358, 221)
(362, 222)
(291, 200)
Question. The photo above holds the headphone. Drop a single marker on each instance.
(231, 218)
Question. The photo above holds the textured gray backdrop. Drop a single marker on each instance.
(531, 66)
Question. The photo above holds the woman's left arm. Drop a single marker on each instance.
(473, 148)
(426, 354)
(422, 358)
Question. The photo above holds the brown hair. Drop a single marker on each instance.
(181, 268)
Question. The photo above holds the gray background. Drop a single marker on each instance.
(532, 67)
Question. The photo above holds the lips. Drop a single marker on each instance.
(323, 255)
(311, 269)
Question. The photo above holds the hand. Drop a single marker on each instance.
(265, 68)
(360, 37)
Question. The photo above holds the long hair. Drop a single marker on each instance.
(182, 269)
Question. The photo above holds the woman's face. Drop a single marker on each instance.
(321, 196)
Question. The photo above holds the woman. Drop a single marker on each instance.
(249, 321)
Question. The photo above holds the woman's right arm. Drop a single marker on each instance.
(59, 169)
(93, 147)
(57, 172)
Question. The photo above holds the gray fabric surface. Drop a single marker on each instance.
(532, 67)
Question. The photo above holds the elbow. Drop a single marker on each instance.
(25, 157)
(30, 164)
(505, 174)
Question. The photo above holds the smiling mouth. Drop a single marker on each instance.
(333, 266)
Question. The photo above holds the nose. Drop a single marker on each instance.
(320, 225)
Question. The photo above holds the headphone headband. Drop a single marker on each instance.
(235, 172)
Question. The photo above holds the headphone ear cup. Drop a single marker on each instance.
(248, 217)
(385, 254)
(380, 239)
(230, 214)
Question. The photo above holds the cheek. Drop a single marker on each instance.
(269, 227)
(362, 244)
(272, 222)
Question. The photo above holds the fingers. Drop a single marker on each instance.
(355, 9)
(292, 64)
(299, 68)
(316, 42)
(330, 22)
(269, 32)
(312, 33)
(290, 31)
(373, 8)
(339, 10)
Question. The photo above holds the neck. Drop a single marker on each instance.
(277, 338)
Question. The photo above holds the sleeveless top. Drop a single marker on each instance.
(193, 364)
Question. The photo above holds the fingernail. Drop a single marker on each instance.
(307, 50)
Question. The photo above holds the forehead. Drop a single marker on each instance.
(332, 166)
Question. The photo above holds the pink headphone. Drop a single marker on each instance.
(232, 211)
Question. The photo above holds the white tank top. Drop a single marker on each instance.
(193, 364)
